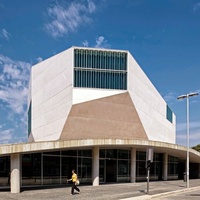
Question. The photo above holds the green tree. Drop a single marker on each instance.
(197, 148)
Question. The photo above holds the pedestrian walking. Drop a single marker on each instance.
(74, 180)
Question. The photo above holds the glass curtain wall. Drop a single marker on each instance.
(100, 69)
(31, 169)
(4, 171)
(173, 167)
(114, 165)
(85, 166)
(54, 168)
(141, 172)
(69, 162)
(155, 169)
(51, 168)
(123, 166)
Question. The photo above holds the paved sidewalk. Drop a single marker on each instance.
(125, 191)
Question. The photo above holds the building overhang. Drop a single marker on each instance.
(140, 145)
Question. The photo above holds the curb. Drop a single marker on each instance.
(174, 192)
(155, 196)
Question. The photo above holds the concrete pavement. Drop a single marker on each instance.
(190, 194)
(123, 191)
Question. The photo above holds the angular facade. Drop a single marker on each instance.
(95, 111)
(86, 93)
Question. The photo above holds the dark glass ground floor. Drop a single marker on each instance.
(54, 168)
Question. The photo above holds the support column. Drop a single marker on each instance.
(15, 173)
(165, 166)
(95, 166)
(133, 165)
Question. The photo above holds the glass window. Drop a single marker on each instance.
(102, 170)
(51, 169)
(31, 169)
(157, 157)
(102, 153)
(123, 170)
(5, 171)
(29, 118)
(123, 154)
(52, 153)
(169, 114)
(103, 68)
(141, 155)
(111, 153)
(85, 153)
(69, 153)
(141, 169)
(172, 165)
(85, 169)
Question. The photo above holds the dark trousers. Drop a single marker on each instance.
(74, 187)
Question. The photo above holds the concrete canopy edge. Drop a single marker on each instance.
(162, 147)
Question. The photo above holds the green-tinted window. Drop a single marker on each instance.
(29, 119)
(100, 69)
(169, 114)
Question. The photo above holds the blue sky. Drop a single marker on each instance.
(162, 35)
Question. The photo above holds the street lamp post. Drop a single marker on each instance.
(187, 109)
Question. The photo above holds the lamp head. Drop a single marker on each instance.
(182, 97)
(193, 94)
(187, 95)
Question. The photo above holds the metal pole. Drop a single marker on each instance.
(187, 142)
(148, 180)
(187, 110)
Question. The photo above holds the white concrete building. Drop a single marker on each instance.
(77, 77)
(95, 111)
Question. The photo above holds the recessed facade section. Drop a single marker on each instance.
(100, 69)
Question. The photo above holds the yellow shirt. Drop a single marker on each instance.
(74, 177)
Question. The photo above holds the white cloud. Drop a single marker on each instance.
(194, 133)
(170, 97)
(14, 76)
(91, 6)
(4, 34)
(85, 43)
(68, 19)
(6, 136)
(39, 59)
(181, 127)
(14, 84)
(101, 42)
(196, 7)
(194, 138)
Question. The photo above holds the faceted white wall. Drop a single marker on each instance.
(81, 95)
(149, 104)
(51, 95)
